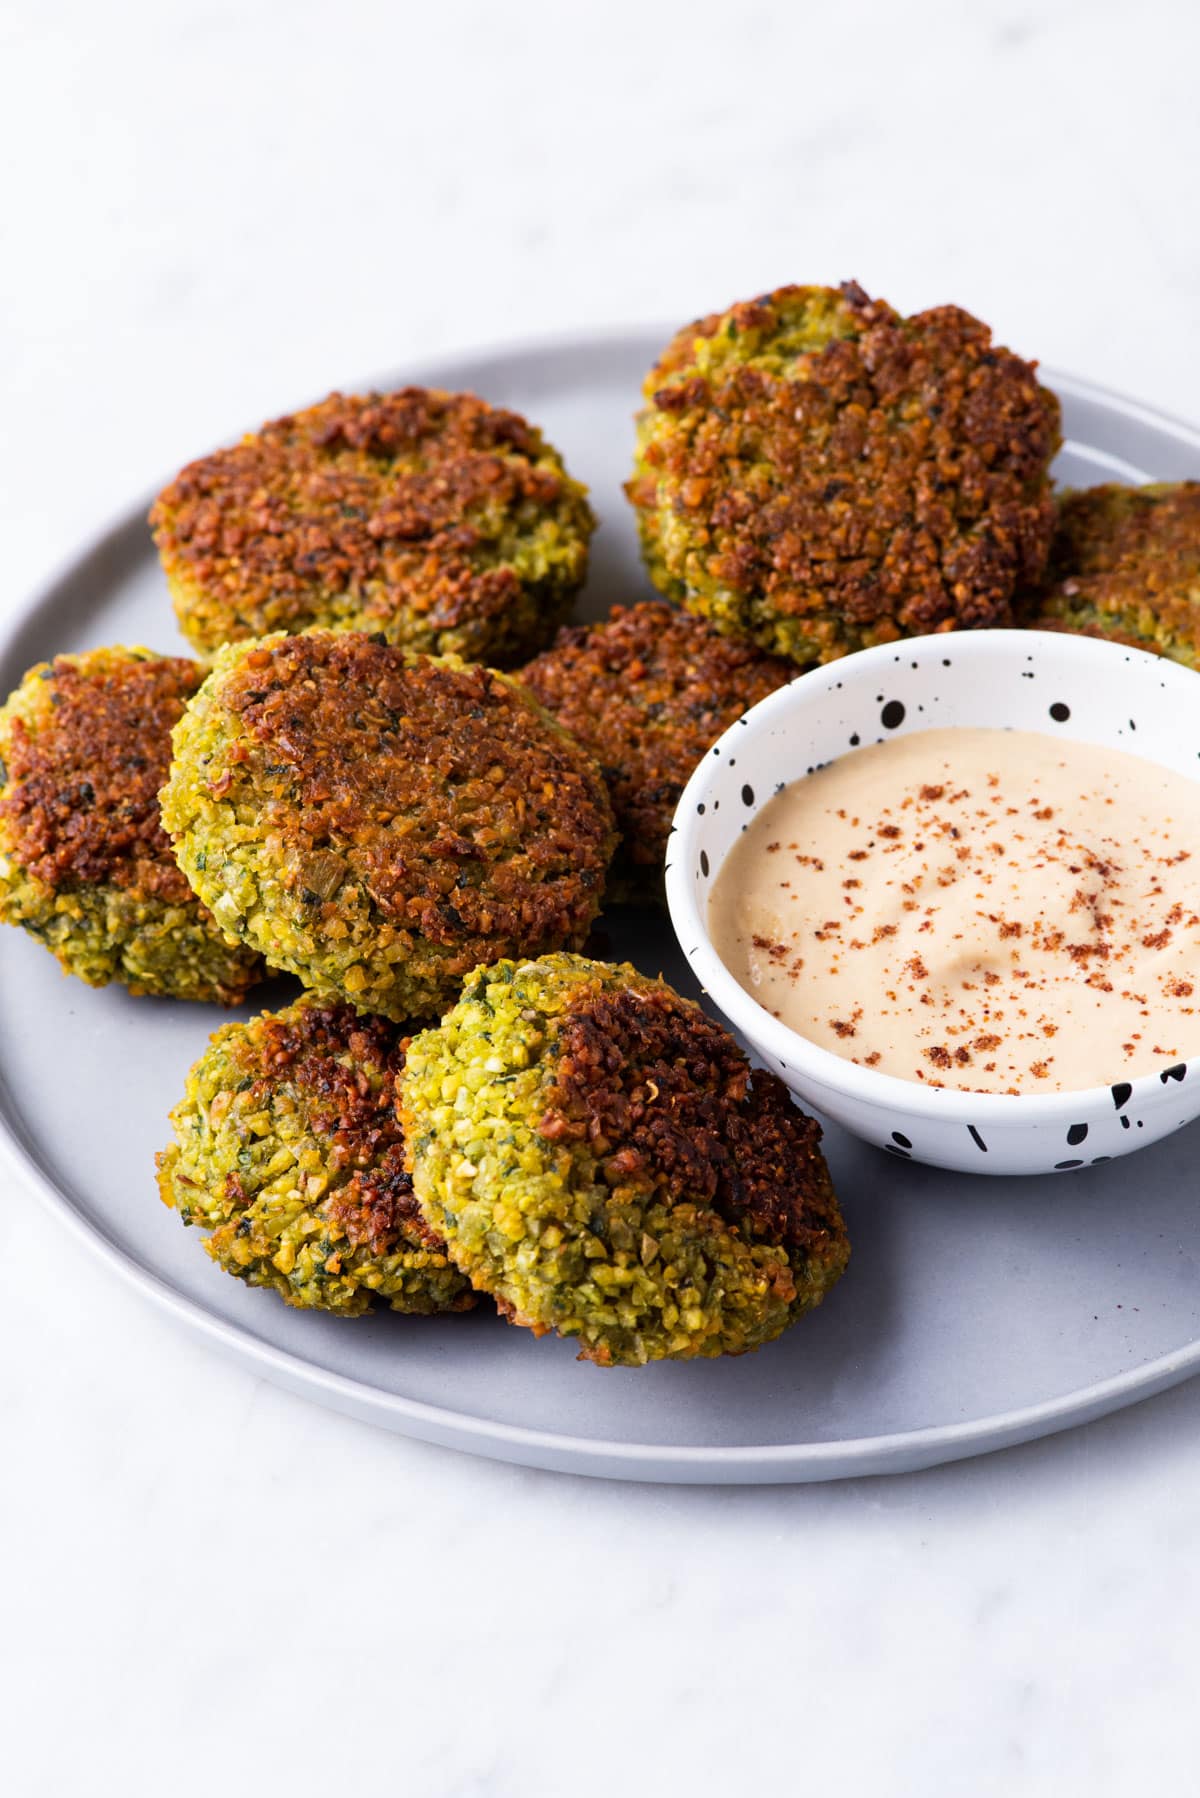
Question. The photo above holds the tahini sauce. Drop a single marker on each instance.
(997, 911)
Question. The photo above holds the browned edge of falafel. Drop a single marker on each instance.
(899, 487)
(673, 1095)
(647, 692)
(376, 510)
(83, 806)
(507, 836)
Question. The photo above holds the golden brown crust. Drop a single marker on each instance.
(377, 510)
(679, 352)
(600, 1157)
(450, 798)
(647, 693)
(888, 480)
(664, 1096)
(319, 1053)
(1125, 566)
(83, 806)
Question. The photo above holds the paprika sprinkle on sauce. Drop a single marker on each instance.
(994, 911)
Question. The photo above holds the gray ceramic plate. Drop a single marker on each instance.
(976, 1313)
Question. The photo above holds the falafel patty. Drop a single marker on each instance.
(289, 1153)
(379, 822)
(819, 474)
(447, 523)
(1125, 564)
(648, 693)
(85, 865)
(598, 1156)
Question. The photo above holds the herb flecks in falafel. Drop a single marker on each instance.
(290, 1156)
(378, 822)
(648, 692)
(447, 523)
(600, 1158)
(1125, 564)
(819, 474)
(85, 865)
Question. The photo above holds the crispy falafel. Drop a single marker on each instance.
(647, 693)
(1125, 564)
(447, 523)
(379, 822)
(598, 1156)
(85, 866)
(289, 1154)
(819, 474)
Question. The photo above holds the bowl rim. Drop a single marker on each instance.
(809, 1060)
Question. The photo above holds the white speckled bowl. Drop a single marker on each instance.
(1075, 687)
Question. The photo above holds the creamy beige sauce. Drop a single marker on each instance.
(997, 911)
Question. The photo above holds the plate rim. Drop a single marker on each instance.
(849, 1457)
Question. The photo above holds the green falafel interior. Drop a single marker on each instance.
(85, 866)
(1125, 565)
(818, 474)
(598, 1156)
(288, 1154)
(450, 525)
(378, 822)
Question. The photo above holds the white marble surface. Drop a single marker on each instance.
(212, 210)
